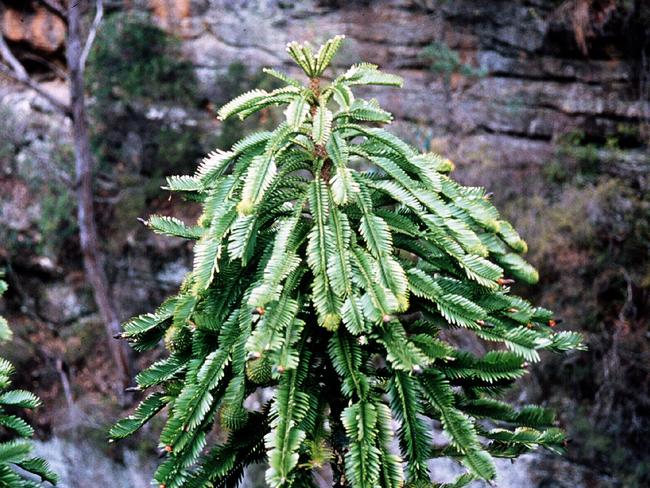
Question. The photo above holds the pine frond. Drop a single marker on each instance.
(457, 309)
(297, 111)
(326, 53)
(270, 331)
(346, 357)
(149, 407)
(41, 468)
(517, 267)
(413, 436)
(255, 100)
(214, 165)
(362, 458)
(369, 74)
(303, 55)
(343, 185)
(282, 442)
(208, 249)
(258, 179)
(457, 426)
(391, 475)
(282, 261)
(183, 184)
(320, 250)
(160, 371)
(171, 226)
(18, 425)
(20, 399)
(361, 110)
(322, 125)
(282, 77)
(378, 302)
(567, 341)
(401, 353)
(342, 95)
(15, 449)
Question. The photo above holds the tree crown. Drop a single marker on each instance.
(331, 261)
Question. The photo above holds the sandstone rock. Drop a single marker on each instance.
(43, 30)
(531, 471)
(83, 463)
(170, 12)
(171, 274)
(501, 127)
(19, 209)
(61, 302)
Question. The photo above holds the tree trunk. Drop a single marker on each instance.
(339, 441)
(92, 255)
(338, 437)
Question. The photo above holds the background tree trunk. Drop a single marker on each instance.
(77, 52)
(92, 254)
(339, 440)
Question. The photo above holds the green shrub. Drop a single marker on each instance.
(136, 61)
(144, 100)
(445, 61)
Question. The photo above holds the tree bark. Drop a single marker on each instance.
(89, 241)
(339, 444)
(338, 437)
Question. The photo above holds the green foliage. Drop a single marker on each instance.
(446, 62)
(236, 79)
(10, 136)
(18, 468)
(342, 281)
(135, 72)
(134, 60)
(575, 158)
(56, 221)
(144, 114)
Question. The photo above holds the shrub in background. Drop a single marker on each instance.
(137, 75)
(145, 116)
(134, 60)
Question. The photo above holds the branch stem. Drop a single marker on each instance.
(338, 437)
(320, 152)
(92, 34)
(17, 72)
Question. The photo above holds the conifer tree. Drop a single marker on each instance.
(335, 286)
(18, 468)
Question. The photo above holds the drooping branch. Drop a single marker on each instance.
(53, 67)
(338, 439)
(92, 34)
(17, 72)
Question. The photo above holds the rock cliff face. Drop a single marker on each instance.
(524, 97)
(532, 82)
